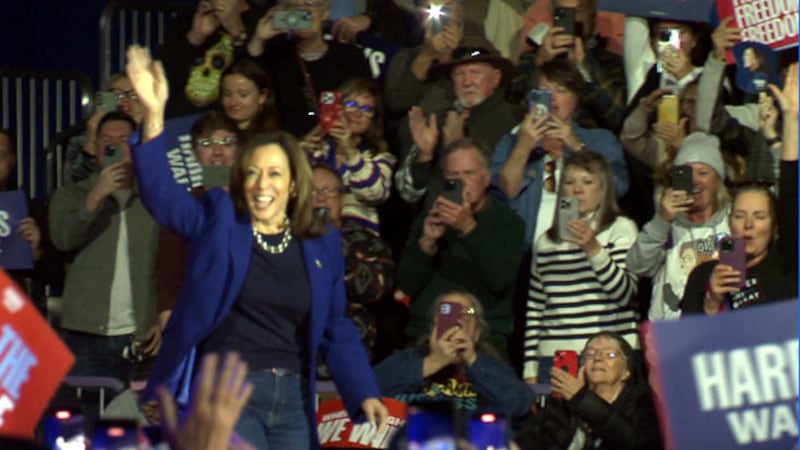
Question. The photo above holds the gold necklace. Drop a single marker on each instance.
(274, 249)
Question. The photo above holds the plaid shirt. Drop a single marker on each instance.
(603, 103)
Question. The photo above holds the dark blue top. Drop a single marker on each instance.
(268, 323)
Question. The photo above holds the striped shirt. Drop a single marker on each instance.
(571, 296)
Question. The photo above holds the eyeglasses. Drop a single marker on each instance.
(327, 192)
(550, 176)
(603, 354)
(207, 143)
(352, 106)
(130, 95)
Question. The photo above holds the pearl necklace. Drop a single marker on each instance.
(274, 249)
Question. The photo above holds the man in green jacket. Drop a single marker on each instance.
(465, 242)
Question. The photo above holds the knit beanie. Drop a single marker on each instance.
(701, 147)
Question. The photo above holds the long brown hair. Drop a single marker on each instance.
(300, 207)
(267, 117)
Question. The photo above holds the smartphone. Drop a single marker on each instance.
(669, 109)
(488, 430)
(567, 212)
(330, 109)
(292, 19)
(431, 426)
(116, 434)
(453, 190)
(448, 316)
(565, 18)
(64, 429)
(539, 102)
(682, 178)
(566, 360)
(105, 101)
(669, 40)
(112, 155)
(732, 253)
(216, 176)
(439, 16)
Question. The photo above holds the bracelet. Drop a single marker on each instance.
(773, 141)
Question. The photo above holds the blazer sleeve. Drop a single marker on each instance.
(169, 203)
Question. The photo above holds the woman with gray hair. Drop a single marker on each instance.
(607, 406)
(456, 363)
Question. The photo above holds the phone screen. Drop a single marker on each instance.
(115, 434)
(216, 176)
(452, 190)
(439, 15)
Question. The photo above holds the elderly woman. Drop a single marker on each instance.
(759, 218)
(605, 407)
(579, 283)
(527, 164)
(255, 268)
(456, 364)
(685, 223)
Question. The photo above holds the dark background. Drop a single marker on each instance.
(52, 34)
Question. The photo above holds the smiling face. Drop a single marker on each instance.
(563, 102)
(216, 148)
(474, 83)
(586, 186)
(605, 363)
(356, 107)
(267, 186)
(241, 99)
(752, 220)
(706, 184)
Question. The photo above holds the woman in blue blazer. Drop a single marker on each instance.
(260, 280)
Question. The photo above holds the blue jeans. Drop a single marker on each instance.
(275, 417)
(97, 355)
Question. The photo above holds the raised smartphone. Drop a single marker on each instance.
(431, 426)
(732, 253)
(112, 155)
(567, 212)
(566, 360)
(453, 190)
(105, 101)
(669, 109)
(565, 18)
(330, 109)
(539, 102)
(216, 176)
(488, 431)
(447, 317)
(682, 178)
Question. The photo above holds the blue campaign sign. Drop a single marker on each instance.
(690, 10)
(727, 381)
(15, 252)
(184, 165)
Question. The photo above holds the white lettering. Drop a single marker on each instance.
(6, 404)
(5, 227)
(16, 361)
(709, 378)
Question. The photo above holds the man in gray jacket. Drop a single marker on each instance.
(109, 302)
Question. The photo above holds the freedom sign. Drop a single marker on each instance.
(336, 431)
(769, 22)
(727, 381)
(33, 361)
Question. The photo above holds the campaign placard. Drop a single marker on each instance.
(336, 431)
(15, 252)
(33, 361)
(727, 381)
(769, 22)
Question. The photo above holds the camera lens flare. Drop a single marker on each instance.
(435, 12)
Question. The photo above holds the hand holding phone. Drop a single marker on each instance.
(216, 176)
(105, 101)
(453, 190)
(683, 179)
(539, 102)
(669, 109)
(447, 317)
(565, 18)
(732, 253)
(567, 212)
(112, 155)
(566, 360)
(330, 110)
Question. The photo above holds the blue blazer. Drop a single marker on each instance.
(220, 246)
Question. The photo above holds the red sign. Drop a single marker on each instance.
(335, 429)
(770, 22)
(33, 361)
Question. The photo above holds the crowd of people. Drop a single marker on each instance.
(555, 188)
